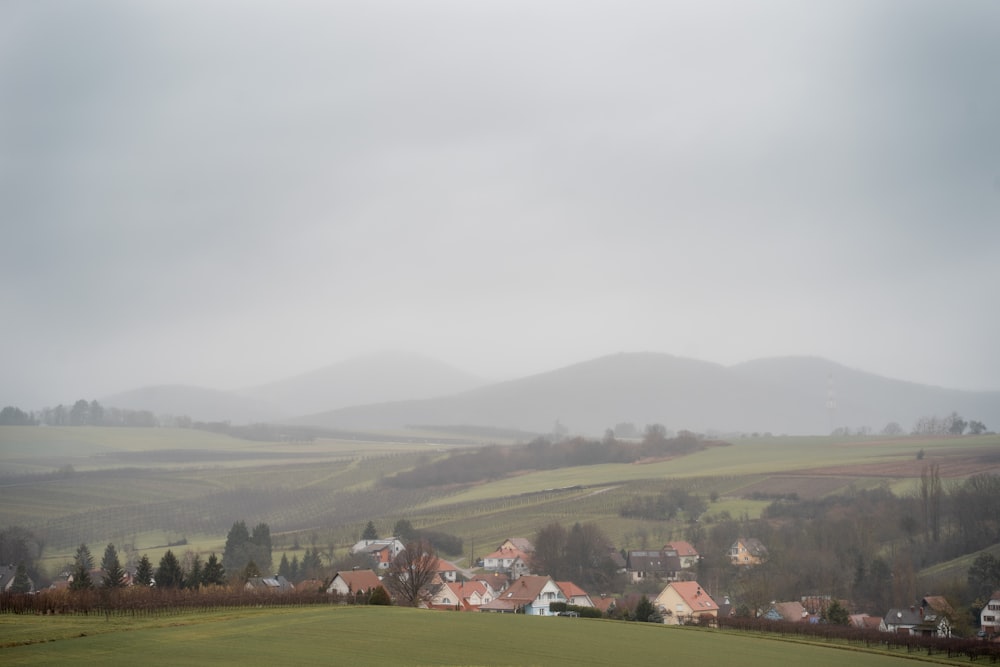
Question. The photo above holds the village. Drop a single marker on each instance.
(504, 581)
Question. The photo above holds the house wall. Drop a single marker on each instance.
(670, 601)
(338, 585)
(540, 606)
(989, 617)
(739, 555)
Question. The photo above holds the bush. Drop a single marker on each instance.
(380, 596)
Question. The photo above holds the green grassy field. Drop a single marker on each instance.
(148, 487)
(395, 636)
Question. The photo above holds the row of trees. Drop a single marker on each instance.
(581, 554)
(81, 413)
(405, 532)
(497, 461)
(952, 424)
(867, 545)
(244, 547)
(169, 574)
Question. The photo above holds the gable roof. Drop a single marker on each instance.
(446, 566)
(653, 561)
(571, 590)
(938, 604)
(682, 548)
(497, 581)
(464, 591)
(605, 604)
(790, 611)
(694, 596)
(359, 580)
(310, 586)
(277, 583)
(753, 545)
(521, 544)
(508, 553)
(526, 589)
(905, 617)
(7, 575)
(865, 621)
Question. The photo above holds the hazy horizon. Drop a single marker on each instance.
(225, 195)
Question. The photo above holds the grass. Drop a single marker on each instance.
(330, 488)
(395, 636)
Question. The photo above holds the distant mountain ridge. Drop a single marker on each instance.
(389, 376)
(393, 390)
(779, 395)
(375, 378)
(199, 403)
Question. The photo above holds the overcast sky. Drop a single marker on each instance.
(228, 193)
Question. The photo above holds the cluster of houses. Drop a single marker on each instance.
(506, 584)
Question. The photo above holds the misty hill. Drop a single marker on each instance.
(779, 395)
(199, 403)
(377, 378)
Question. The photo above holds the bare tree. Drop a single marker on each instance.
(411, 572)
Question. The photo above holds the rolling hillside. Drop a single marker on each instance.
(781, 395)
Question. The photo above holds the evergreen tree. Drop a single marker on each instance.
(114, 573)
(144, 572)
(250, 571)
(836, 614)
(235, 556)
(370, 533)
(404, 531)
(81, 578)
(21, 583)
(284, 568)
(260, 551)
(213, 574)
(194, 576)
(83, 563)
(294, 568)
(645, 610)
(311, 565)
(83, 557)
(169, 574)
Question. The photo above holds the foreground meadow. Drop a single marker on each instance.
(396, 636)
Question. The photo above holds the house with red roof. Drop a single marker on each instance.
(686, 553)
(354, 583)
(446, 570)
(461, 595)
(574, 594)
(382, 552)
(513, 556)
(496, 580)
(682, 602)
(530, 594)
(747, 551)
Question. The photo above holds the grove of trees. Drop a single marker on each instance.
(244, 547)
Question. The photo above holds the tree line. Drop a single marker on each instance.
(497, 461)
(85, 413)
(867, 546)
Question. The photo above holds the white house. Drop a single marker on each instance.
(989, 617)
